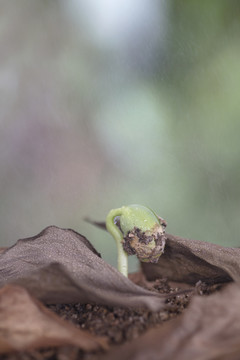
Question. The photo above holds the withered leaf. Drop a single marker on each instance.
(99, 224)
(209, 329)
(26, 324)
(189, 261)
(186, 260)
(61, 266)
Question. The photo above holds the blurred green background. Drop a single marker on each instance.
(105, 103)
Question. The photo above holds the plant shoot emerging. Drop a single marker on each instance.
(136, 230)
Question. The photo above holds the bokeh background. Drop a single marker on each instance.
(107, 103)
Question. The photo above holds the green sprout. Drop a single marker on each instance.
(136, 230)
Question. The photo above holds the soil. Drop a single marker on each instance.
(119, 325)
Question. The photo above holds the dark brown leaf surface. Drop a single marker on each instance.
(26, 324)
(209, 329)
(61, 266)
(186, 260)
(189, 261)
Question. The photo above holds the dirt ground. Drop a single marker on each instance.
(118, 325)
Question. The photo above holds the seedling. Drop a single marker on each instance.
(136, 230)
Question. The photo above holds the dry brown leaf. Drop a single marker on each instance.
(189, 261)
(26, 324)
(61, 266)
(209, 329)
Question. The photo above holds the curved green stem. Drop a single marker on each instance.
(140, 233)
(118, 236)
